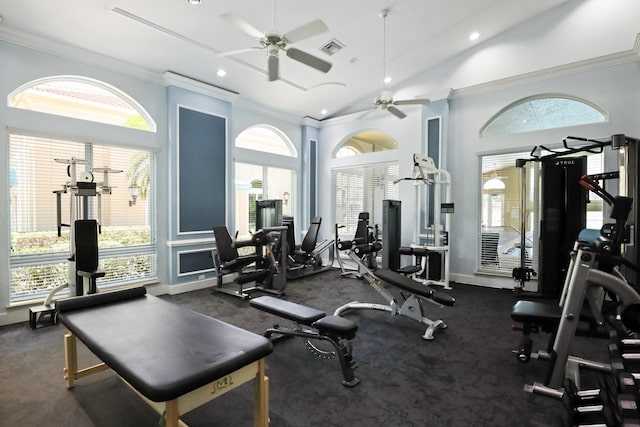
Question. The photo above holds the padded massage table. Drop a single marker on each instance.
(174, 358)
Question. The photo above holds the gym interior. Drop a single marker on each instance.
(460, 251)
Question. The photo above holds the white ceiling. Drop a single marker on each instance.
(172, 35)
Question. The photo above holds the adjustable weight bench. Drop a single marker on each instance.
(412, 305)
(314, 324)
(174, 358)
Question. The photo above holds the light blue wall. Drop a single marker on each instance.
(20, 65)
(614, 88)
(160, 97)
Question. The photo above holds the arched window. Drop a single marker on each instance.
(368, 141)
(82, 98)
(545, 111)
(262, 177)
(266, 138)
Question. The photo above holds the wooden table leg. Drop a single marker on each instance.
(70, 358)
(261, 402)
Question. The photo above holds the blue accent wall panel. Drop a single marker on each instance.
(201, 139)
(196, 262)
(313, 174)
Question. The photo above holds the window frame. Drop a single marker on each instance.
(88, 81)
(483, 130)
(266, 161)
(60, 257)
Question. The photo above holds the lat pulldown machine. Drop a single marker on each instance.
(430, 249)
(82, 263)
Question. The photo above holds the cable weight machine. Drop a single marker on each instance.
(432, 247)
(563, 211)
(83, 240)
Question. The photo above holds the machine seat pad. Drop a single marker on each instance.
(407, 284)
(251, 276)
(409, 269)
(405, 250)
(540, 312)
(163, 350)
(413, 250)
(289, 310)
(91, 274)
(336, 325)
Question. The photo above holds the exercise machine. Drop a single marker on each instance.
(431, 233)
(314, 325)
(83, 270)
(362, 249)
(412, 302)
(310, 257)
(593, 271)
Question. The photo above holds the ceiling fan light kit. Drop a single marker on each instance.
(274, 42)
(386, 101)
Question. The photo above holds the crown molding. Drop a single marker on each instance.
(186, 82)
(311, 122)
(76, 54)
(554, 72)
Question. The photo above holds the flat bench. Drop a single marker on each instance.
(314, 324)
(408, 284)
(174, 358)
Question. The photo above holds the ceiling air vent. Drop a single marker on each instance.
(331, 47)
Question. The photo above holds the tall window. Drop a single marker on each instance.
(40, 211)
(501, 221)
(40, 192)
(362, 189)
(260, 177)
(501, 230)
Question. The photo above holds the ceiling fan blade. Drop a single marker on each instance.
(412, 102)
(273, 68)
(305, 31)
(233, 52)
(308, 59)
(242, 25)
(393, 110)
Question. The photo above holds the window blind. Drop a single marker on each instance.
(362, 189)
(40, 203)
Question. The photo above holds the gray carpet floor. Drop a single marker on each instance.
(466, 376)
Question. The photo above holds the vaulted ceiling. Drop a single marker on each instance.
(421, 38)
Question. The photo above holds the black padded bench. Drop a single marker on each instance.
(417, 288)
(545, 315)
(315, 324)
(174, 358)
(418, 253)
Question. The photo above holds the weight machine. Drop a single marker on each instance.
(608, 264)
(82, 263)
(431, 248)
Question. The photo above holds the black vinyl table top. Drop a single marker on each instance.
(161, 349)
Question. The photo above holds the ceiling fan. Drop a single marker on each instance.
(385, 101)
(274, 42)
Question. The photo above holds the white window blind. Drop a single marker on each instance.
(362, 189)
(127, 243)
(500, 231)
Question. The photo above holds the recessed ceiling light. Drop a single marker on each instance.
(221, 73)
(387, 79)
(324, 111)
(474, 35)
(194, 1)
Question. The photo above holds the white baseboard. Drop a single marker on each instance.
(489, 281)
(181, 288)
